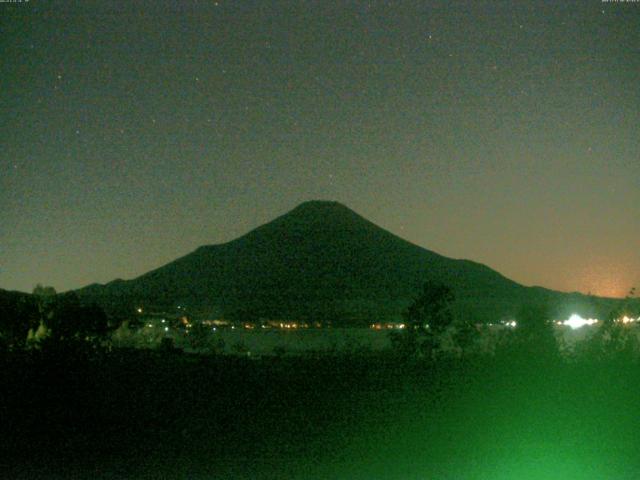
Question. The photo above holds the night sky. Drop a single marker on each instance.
(504, 132)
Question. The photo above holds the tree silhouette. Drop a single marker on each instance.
(612, 339)
(66, 319)
(533, 336)
(18, 314)
(45, 299)
(431, 310)
(426, 318)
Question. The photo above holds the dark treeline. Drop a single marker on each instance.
(46, 317)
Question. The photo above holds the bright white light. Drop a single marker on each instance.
(576, 321)
(166, 329)
(512, 324)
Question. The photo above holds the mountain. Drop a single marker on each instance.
(321, 261)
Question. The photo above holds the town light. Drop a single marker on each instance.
(575, 321)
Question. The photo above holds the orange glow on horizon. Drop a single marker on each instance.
(605, 279)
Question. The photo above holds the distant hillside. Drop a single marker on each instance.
(322, 261)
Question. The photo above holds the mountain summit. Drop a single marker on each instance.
(320, 261)
(315, 208)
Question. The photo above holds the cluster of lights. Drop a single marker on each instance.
(292, 325)
(387, 326)
(575, 321)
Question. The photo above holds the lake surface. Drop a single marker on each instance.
(298, 341)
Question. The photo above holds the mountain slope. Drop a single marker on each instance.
(319, 261)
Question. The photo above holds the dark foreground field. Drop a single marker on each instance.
(151, 415)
